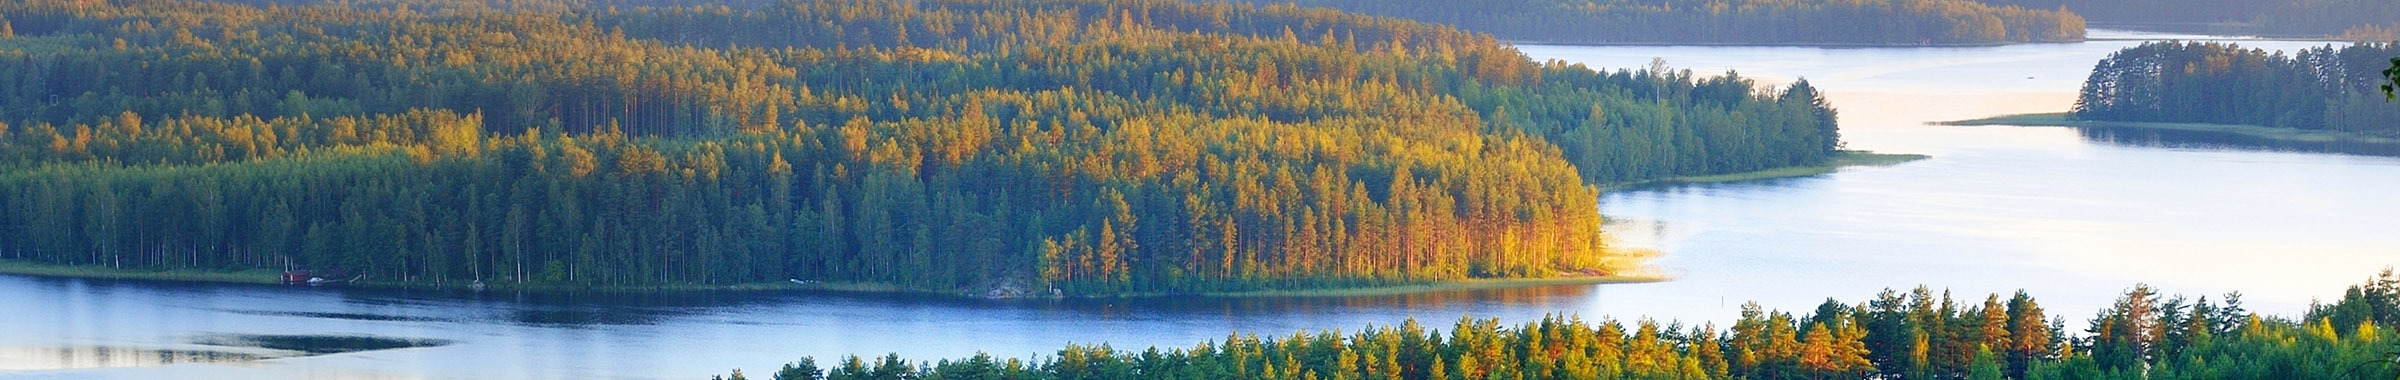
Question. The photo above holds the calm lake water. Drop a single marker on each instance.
(2072, 216)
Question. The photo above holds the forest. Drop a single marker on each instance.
(988, 147)
(1913, 335)
(1767, 22)
(2358, 20)
(2322, 88)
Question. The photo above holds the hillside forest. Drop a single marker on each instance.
(1746, 22)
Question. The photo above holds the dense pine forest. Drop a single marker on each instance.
(1916, 335)
(1799, 22)
(2320, 88)
(2364, 20)
(975, 146)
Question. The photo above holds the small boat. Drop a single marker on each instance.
(321, 281)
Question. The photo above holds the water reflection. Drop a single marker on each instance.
(1715, 188)
(2210, 140)
(316, 344)
(215, 348)
(80, 357)
(340, 333)
(601, 309)
(349, 316)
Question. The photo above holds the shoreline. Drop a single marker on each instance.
(1847, 158)
(1432, 287)
(2134, 27)
(256, 276)
(1827, 45)
(2233, 31)
(2061, 119)
(262, 276)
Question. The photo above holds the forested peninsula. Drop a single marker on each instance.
(1913, 335)
(2358, 20)
(987, 147)
(2316, 89)
(1743, 22)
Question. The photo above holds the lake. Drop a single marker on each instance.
(2072, 216)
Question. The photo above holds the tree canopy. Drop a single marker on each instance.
(2144, 335)
(1806, 22)
(2392, 75)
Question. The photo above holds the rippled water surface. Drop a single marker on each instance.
(2069, 215)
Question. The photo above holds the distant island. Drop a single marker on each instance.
(1710, 22)
(1014, 148)
(2321, 89)
(2309, 98)
(2352, 20)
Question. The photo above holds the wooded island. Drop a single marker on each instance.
(1003, 147)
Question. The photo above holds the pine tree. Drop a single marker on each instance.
(1986, 365)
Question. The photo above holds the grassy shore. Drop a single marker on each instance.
(1847, 158)
(1357, 291)
(251, 276)
(1446, 286)
(271, 277)
(2272, 133)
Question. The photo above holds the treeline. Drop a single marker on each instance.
(1894, 336)
(992, 147)
(2320, 88)
(2368, 20)
(1806, 22)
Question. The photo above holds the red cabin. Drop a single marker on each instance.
(295, 276)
